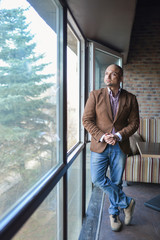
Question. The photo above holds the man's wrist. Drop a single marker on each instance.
(118, 136)
(102, 138)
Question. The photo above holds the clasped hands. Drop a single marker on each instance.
(110, 138)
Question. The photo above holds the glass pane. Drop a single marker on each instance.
(88, 175)
(47, 221)
(74, 199)
(102, 60)
(29, 96)
(72, 89)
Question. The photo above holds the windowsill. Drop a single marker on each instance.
(73, 155)
(92, 219)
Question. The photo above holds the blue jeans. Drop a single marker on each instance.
(115, 159)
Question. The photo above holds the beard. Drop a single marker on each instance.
(109, 84)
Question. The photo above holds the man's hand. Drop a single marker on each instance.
(111, 138)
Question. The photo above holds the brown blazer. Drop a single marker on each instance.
(98, 120)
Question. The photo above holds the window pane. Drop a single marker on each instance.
(46, 222)
(88, 175)
(102, 60)
(29, 95)
(74, 199)
(72, 89)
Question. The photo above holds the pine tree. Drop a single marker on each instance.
(26, 114)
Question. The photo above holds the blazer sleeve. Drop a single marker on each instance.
(89, 118)
(133, 120)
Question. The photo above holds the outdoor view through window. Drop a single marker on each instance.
(73, 87)
(29, 98)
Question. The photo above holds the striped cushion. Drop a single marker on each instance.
(140, 169)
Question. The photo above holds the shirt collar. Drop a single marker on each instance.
(110, 92)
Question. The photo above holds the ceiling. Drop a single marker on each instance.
(108, 22)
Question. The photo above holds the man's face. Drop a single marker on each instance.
(112, 77)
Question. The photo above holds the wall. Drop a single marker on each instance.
(142, 72)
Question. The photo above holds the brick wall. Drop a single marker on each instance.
(142, 72)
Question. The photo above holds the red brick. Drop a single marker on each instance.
(142, 71)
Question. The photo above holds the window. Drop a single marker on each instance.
(73, 88)
(74, 199)
(101, 57)
(88, 175)
(30, 90)
(46, 222)
(102, 60)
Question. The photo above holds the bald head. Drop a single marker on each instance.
(120, 70)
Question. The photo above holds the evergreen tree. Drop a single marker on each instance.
(26, 114)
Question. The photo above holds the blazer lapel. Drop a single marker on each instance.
(109, 110)
(122, 101)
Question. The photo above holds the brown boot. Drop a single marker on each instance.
(129, 212)
(115, 223)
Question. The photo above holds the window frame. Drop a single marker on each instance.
(72, 24)
(93, 46)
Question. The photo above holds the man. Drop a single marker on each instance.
(111, 116)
